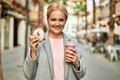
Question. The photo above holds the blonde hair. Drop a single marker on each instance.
(55, 6)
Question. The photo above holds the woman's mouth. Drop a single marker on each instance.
(57, 27)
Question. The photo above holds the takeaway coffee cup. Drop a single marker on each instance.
(69, 45)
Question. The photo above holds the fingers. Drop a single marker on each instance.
(34, 41)
(72, 49)
(33, 37)
(71, 56)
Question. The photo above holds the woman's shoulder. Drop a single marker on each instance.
(70, 38)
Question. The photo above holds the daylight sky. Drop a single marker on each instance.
(90, 4)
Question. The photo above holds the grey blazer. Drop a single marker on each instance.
(42, 67)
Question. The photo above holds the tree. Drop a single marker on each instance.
(52, 0)
(79, 10)
(40, 13)
(64, 2)
(94, 13)
(111, 23)
(86, 15)
(40, 21)
(1, 75)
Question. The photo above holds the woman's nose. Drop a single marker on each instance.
(57, 23)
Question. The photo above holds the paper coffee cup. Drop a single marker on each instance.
(70, 45)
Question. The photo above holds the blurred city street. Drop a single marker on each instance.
(94, 23)
(98, 66)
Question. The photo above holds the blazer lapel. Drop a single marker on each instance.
(48, 50)
(67, 65)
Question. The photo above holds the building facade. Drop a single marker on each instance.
(12, 24)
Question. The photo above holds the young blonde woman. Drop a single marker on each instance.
(49, 59)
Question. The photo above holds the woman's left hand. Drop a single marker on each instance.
(72, 57)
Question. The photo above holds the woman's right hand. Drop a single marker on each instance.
(34, 40)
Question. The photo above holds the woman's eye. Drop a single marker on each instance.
(61, 20)
(53, 19)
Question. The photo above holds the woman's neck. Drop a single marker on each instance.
(56, 36)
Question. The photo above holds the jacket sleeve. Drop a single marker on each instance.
(29, 68)
(79, 74)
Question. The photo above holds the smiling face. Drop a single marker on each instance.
(56, 17)
(56, 22)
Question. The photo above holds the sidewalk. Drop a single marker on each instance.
(12, 63)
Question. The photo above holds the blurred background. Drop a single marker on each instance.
(94, 23)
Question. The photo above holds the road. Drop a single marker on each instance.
(98, 67)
